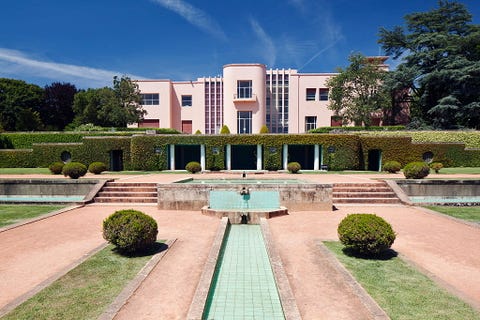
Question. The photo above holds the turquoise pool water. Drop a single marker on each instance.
(444, 199)
(33, 198)
(233, 200)
(243, 286)
(241, 181)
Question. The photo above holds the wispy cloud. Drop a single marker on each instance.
(299, 5)
(17, 63)
(194, 16)
(268, 47)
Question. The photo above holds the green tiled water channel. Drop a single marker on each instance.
(243, 286)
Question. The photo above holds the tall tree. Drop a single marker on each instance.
(440, 52)
(356, 93)
(107, 107)
(57, 110)
(20, 103)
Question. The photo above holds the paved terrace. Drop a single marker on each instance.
(446, 249)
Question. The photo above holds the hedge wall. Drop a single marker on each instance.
(20, 158)
(470, 138)
(150, 152)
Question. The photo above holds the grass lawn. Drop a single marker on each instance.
(86, 291)
(465, 213)
(24, 171)
(458, 170)
(403, 292)
(10, 214)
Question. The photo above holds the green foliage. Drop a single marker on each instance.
(440, 54)
(416, 170)
(193, 167)
(366, 234)
(224, 129)
(56, 167)
(74, 170)
(57, 110)
(20, 105)
(293, 167)
(87, 127)
(5, 142)
(109, 107)
(392, 166)
(352, 128)
(436, 166)
(18, 159)
(97, 167)
(198, 132)
(130, 230)
(264, 129)
(356, 92)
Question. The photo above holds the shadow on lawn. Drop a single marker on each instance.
(157, 247)
(384, 255)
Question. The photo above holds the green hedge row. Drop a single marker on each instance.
(150, 152)
(470, 138)
(355, 129)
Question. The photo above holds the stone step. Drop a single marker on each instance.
(360, 185)
(367, 200)
(125, 200)
(363, 189)
(363, 195)
(129, 189)
(127, 194)
(131, 184)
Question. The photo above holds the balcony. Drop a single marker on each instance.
(244, 98)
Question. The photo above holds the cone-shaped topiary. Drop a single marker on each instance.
(366, 234)
(225, 129)
(130, 230)
(264, 129)
(74, 170)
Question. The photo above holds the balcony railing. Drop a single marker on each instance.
(244, 98)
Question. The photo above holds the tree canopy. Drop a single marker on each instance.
(440, 54)
(356, 92)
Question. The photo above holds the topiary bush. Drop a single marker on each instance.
(436, 166)
(416, 170)
(224, 129)
(193, 167)
(97, 167)
(365, 234)
(56, 167)
(293, 167)
(392, 166)
(74, 170)
(130, 230)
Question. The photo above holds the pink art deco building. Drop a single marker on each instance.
(247, 97)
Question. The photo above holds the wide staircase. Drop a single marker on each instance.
(128, 192)
(363, 193)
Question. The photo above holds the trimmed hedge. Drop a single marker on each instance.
(354, 129)
(366, 234)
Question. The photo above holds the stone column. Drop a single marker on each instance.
(202, 156)
(172, 157)
(285, 156)
(259, 157)
(228, 156)
(316, 155)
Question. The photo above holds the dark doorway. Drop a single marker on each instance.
(116, 160)
(374, 160)
(303, 154)
(244, 157)
(185, 154)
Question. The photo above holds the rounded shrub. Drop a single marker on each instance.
(293, 167)
(193, 167)
(97, 167)
(416, 170)
(436, 166)
(74, 170)
(392, 166)
(130, 230)
(56, 167)
(365, 234)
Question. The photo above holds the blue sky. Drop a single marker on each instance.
(88, 42)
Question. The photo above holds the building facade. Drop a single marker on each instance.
(245, 98)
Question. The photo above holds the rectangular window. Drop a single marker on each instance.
(323, 94)
(310, 123)
(149, 99)
(244, 89)
(311, 94)
(244, 122)
(186, 101)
